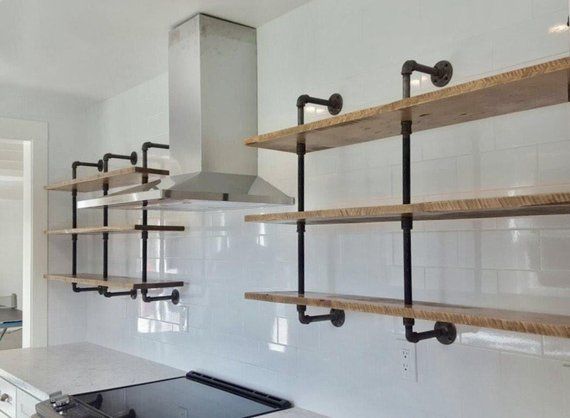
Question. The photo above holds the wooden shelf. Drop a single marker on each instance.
(527, 88)
(527, 322)
(488, 207)
(122, 177)
(121, 229)
(127, 283)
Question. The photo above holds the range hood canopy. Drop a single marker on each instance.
(213, 103)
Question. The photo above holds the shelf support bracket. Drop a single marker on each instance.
(104, 291)
(99, 166)
(334, 106)
(441, 73)
(133, 160)
(174, 297)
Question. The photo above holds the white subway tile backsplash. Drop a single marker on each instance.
(554, 247)
(357, 48)
(522, 164)
(510, 250)
(557, 348)
(509, 341)
(552, 162)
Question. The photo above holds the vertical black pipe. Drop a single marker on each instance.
(174, 297)
(105, 234)
(407, 223)
(301, 150)
(74, 237)
(106, 221)
(74, 225)
(406, 85)
(133, 159)
(301, 224)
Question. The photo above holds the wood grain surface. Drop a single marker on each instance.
(116, 282)
(119, 229)
(527, 322)
(122, 177)
(526, 88)
(488, 207)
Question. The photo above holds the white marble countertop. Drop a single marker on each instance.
(85, 367)
(77, 368)
(295, 413)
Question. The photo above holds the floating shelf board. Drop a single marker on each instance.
(128, 176)
(127, 283)
(527, 88)
(527, 322)
(123, 229)
(488, 207)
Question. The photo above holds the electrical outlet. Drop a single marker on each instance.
(408, 362)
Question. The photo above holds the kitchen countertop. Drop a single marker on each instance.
(77, 368)
(85, 367)
(295, 413)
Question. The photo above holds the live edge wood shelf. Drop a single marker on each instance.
(117, 282)
(120, 229)
(527, 88)
(527, 322)
(488, 207)
(103, 182)
(129, 176)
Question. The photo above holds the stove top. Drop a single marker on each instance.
(194, 396)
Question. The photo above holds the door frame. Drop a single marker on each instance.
(34, 137)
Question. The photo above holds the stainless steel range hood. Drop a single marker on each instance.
(213, 104)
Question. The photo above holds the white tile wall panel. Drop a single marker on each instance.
(357, 48)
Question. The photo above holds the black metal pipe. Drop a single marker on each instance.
(411, 66)
(74, 236)
(74, 166)
(144, 237)
(406, 85)
(441, 74)
(133, 159)
(334, 104)
(78, 289)
(406, 162)
(146, 146)
(144, 234)
(174, 297)
(104, 291)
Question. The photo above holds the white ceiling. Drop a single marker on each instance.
(99, 48)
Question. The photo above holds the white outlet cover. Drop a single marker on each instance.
(408, 360)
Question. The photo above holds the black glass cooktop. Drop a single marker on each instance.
(194, 396)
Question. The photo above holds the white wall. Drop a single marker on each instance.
(357, 48)
(11, 225)
(67, 142)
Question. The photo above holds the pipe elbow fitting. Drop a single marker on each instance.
(302, 100)
(304, 319)
(409, 67)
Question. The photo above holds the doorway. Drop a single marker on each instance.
(11, 254)
(23, 148)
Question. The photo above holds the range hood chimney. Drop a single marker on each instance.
(213, 104)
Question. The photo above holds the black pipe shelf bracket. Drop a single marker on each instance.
(74, 166)
(104, 291)
(441, 74)
(103, 166)
(334, 105)
(174, 296)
